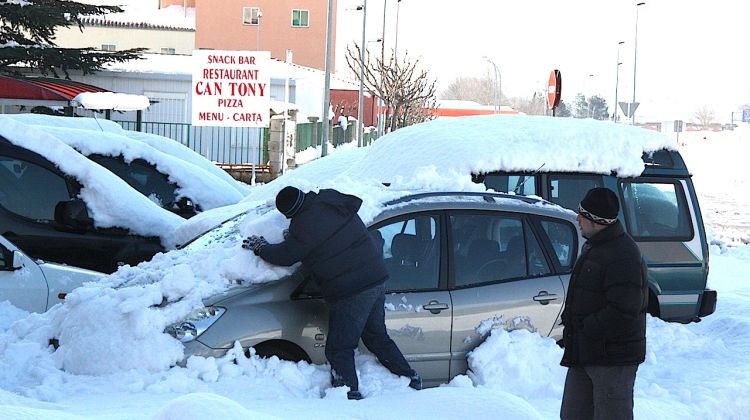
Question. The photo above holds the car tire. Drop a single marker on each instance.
(280, 349)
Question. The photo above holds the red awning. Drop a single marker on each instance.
(42, 89)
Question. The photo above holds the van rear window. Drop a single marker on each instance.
(656, 211)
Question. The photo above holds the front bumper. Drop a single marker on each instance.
(708, 303)
(196, 348)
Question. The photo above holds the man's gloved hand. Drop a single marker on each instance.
(254, 243)
(285, 233)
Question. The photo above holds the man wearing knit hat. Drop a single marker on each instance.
(604, 316)
(330, 239)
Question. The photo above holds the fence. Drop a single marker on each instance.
(242, 145)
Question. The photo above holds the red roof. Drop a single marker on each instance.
(43, 88)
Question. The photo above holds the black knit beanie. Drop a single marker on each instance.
(289, 200)
(600, 206)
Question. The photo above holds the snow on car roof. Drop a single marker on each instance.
(110, 200)
(486, 143)
(199, 185)
(164, 144)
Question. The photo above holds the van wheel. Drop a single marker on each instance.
(653, 304)
(282, 349)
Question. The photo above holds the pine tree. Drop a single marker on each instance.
(27, 37)
(598, 108)
(580, 107)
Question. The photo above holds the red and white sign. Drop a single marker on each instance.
(554, 89)
(231, 88)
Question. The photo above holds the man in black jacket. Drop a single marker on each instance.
(330, 239)
(605, 315)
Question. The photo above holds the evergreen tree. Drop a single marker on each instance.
(563, 110)
(598, 108)
(580, 107)
(27, 37)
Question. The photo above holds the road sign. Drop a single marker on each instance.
(554, 89)
(628, 108)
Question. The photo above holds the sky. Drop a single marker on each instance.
(114, 361)
(690, 52)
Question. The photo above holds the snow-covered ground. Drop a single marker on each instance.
(114, 366)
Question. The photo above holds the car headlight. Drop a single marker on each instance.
(195, 324)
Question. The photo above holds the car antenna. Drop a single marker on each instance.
(515, 190)
(97, 122)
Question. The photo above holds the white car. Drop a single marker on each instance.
(36, 286)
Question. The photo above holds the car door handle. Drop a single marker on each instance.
(435, 307)
(544, 297)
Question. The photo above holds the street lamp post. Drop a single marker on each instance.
(286, 112)
(635, 59)
(590, 92)
(617, 80)
(381, 114)
(327, 84)
(497, 84)
(395, 46)
(361, 108)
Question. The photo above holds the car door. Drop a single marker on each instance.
(25, 286)
(418, 307)
(500, 277)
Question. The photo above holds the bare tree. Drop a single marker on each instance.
(704, 116)
(536, 105)
(477, 89)
(408, 93)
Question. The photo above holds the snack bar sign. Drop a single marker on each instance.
(231, 88)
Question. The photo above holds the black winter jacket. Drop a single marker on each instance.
(333, 244)
(605, 307)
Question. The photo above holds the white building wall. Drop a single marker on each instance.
(123, 38)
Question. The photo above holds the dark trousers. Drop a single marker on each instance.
(598, 392)
(360, 316)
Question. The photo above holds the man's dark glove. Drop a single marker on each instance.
(254, 243)
(285, 233)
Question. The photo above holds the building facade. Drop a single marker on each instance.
(266, 25)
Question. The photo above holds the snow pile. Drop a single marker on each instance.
(111, 100)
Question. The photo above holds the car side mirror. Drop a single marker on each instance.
(72, 215)
(185, 207)
(17, 260)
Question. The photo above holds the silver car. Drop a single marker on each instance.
(460, 264)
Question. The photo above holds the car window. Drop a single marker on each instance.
(491, 247)
(568, 190)
(519, 184)
(656, 211)
(411, 250)
(142, 176)
(562, 237)
(30, 190)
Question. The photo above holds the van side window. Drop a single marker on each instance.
(30, 190)
(518, 183)
(656, 211)
(568, 190)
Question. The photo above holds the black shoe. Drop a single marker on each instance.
(354, 395)
(415, 382)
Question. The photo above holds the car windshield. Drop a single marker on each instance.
(228, 231)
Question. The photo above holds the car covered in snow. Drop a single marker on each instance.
(182, 186)
(59, 206)
(36, 286)
(459, 264)
(560, 159)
